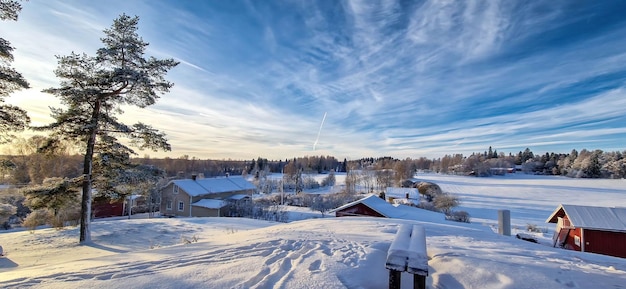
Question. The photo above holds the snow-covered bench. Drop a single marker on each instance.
(407, 253)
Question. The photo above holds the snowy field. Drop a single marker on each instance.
(315, 252)
(530, 198)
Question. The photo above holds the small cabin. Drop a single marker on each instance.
(600, 230)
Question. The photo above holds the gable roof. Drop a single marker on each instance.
(373, 202)
(393, 211)
(214, 185)
(588, 217)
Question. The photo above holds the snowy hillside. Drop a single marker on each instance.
(317, 253)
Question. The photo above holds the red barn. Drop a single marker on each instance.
(599, 230)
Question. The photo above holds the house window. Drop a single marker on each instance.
(577, 241)
(181, 206)
(168, 206)
(175, 189)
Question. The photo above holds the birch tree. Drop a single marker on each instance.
(93, 90)
(12, 118)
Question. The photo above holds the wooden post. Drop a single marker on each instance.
(394, 279)
(407, 253)
(504, 222)
(419, 281)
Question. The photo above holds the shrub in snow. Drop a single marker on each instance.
(66, 217)
(324, 204)
(429, 190)
(16, 198)
(153, 245)
(458, 216)
(309, 182)
(264, 209)
(445, 202)
(6, 211)
(427, 206)
(36, 218)
(185, 240)
(329, 180)
(533, 228)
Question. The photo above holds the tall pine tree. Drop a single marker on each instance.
(93, 89)
(12, 118)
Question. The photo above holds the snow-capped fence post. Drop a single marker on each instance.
(407, 253)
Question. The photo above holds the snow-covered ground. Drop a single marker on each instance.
(530, 198)
(315, 252)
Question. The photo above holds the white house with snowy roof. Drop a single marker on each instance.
(204, 197)
(403, 195)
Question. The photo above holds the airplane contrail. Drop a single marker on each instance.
(319, 131)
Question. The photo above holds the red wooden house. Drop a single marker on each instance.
(600, 230)
(372, 206)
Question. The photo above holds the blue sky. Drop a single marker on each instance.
(389, 78)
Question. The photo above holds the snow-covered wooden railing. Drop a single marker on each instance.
(407, 253)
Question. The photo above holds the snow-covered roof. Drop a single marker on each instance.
(373, 202)
(214, 185)
(401, 192)
(238, 197)
(393, 211)
(588, 217)
(210, 204)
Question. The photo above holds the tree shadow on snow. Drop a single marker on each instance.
(102, 247)
(7, 263)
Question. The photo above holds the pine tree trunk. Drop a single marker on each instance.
(130, 203)
(85, 220)
(85, 234)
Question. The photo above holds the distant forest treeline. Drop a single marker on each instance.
(27, 165)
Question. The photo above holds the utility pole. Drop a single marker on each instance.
(282, 192)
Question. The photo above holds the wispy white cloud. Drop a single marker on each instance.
(394, 77)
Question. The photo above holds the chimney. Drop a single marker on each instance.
(193, 177)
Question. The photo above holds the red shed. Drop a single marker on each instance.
(598, 230)
(102, 208)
